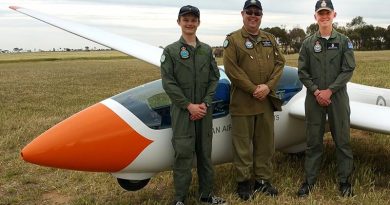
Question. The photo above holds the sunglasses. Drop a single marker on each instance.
(255, 12)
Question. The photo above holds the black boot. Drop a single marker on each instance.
(305, 189)
(346, 189)
(244, 190)
(265, 187)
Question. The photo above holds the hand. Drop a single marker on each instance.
(323, 97)
(197, 111)
(261, 92)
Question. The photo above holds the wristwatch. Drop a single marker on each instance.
(207, 104)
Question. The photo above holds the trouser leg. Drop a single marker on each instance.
(205, 169)
(242, 132)
(315, 128)
(339, 123)
(184, 152)
(263, 145)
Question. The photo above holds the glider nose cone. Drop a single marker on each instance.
(95, 139)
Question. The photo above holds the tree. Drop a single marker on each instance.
(17, 49)
(379, 38)
(387, 37)
(356, 22)
(312, 29)
(297, 35)
(280, 35)
(367, 35)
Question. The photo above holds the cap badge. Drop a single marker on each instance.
(323, 4)
(248, 44)
(184, 54)
(317, 47)
(253, 1)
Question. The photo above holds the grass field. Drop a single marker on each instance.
(38, 90)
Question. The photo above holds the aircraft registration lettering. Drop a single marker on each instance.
(221, 129)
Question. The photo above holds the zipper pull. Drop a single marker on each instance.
(251, 57)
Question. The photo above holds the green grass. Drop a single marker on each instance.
(36, 93)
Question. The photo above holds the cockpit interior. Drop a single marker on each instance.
(151, 104)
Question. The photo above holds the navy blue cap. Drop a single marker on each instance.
(256, 3)
(324, 5)
(189, 10)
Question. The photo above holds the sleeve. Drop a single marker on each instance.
(213, 80)
(347, 67)
(304, 68)
(278, 67)
(169, 82)
(235, 73)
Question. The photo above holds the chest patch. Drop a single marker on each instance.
(266, 43)
(333, 46)
(184, 54)
(248, 44)
(317, 47)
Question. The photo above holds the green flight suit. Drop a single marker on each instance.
(324, 64)
(190, 75)
(250, 61)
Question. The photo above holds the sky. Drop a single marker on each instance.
(154, 21)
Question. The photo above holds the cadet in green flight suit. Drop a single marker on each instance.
(254, 66)
(326, 64)
(189, 77)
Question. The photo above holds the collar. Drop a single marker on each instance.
(183, 41)
(333, 34)
(245, 34)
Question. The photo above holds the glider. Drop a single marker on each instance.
(129, 135)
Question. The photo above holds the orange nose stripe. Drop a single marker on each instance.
(95, 139)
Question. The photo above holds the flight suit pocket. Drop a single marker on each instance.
(184, 146)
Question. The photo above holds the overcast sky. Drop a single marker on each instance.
(154, 21)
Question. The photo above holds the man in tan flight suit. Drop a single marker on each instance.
(254, 65)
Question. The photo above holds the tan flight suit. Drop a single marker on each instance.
(250, 62)
(324, 64)
(190, 75)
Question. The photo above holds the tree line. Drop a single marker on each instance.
(362, 35)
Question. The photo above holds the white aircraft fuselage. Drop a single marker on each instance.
(129, 135)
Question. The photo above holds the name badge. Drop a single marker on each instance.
(333, 46)
(266, 43)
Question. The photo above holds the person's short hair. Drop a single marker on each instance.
(324, 5)
(255, 3)
(189, 10)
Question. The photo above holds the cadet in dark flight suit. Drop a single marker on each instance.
(189, 76)
(326, 64)
(254, 65)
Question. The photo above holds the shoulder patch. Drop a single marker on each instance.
(162, 59)
(226, 43)
(350, 44)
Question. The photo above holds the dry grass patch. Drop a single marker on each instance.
(37, 94)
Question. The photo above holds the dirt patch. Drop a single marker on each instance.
(55, 198)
